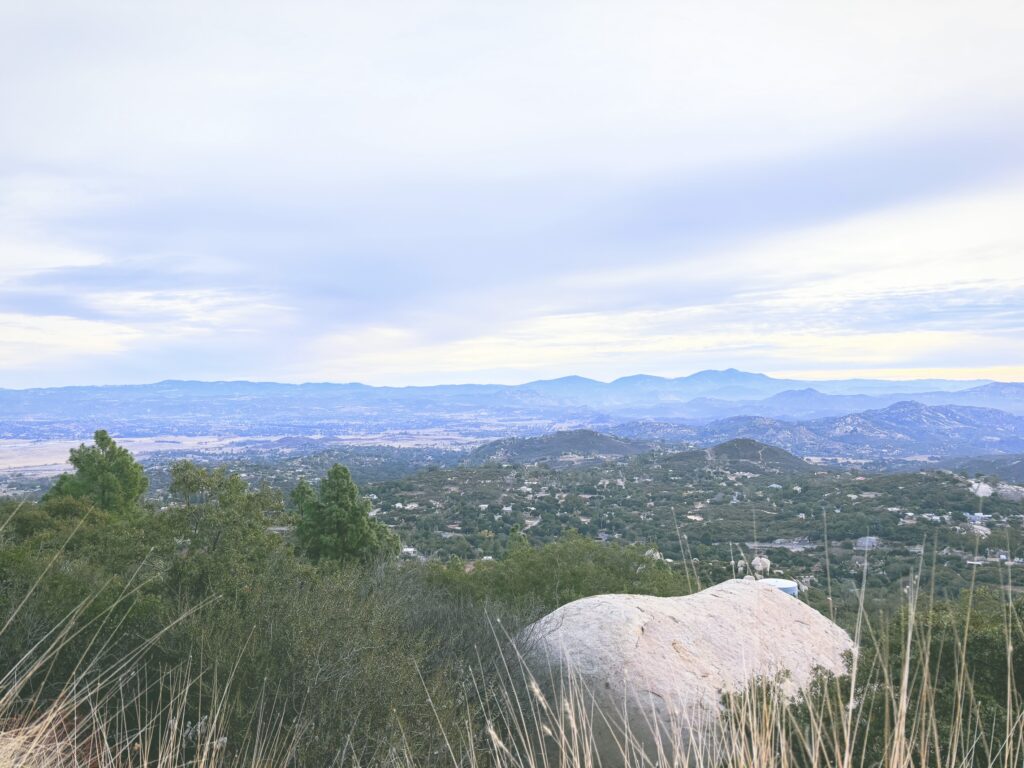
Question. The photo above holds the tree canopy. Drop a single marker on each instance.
(335, 522)
(105, 474)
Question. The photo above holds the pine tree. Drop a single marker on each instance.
(335, 522)
(105, 474)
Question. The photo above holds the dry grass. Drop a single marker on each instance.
(118, 718)
(893, 719)
(115, 718)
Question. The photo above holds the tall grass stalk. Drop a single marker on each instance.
(885, 714)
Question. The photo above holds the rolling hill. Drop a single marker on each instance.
(1009, 468)
(572, 446)
(741, 455)
(581, 445)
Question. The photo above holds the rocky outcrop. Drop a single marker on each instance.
(657, 668)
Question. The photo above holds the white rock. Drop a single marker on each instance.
(981, 490)
(1010, 492)
(660, 665)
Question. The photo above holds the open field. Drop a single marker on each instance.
(46, 458)
(49, 457)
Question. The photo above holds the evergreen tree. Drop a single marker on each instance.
(335, 522)
(105, 474)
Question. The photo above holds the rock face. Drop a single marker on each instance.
(658, 666)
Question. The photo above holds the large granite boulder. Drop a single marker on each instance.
(656, 668)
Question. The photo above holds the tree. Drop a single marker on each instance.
(212, 499)
(189, 482)
(220, 527)
(335, 522)
(105, 474)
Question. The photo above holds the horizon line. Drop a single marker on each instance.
(809, 377)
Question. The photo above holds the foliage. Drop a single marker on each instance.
(335, 523)
(367, 659)
(220, 532)
(105, 474)
(360, 658)
(937, 677)
(539, 579)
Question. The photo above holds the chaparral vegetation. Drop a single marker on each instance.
(230, 625)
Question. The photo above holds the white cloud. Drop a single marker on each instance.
(966, 372)
(26, 249)
(470, 89)
(51, 340)
(132, 326)
(607, 346)
(187, 144)
(198, 311)
(972, 237)
(936, 285)
(22, 258)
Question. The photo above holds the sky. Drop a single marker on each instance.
(440, 192)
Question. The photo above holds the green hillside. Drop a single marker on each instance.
(741, 455)
(570, 446)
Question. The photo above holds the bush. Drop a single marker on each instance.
(532, 581)
(360, 660)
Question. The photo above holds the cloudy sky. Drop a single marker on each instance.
(421, 192)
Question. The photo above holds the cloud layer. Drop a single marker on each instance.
(444, 191)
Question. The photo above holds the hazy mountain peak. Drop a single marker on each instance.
(638, 378)
(728, 374)
(572, 379)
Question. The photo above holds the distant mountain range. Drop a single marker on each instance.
(856, 418)
(906, 430)
(807, 403)
(728, 385)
